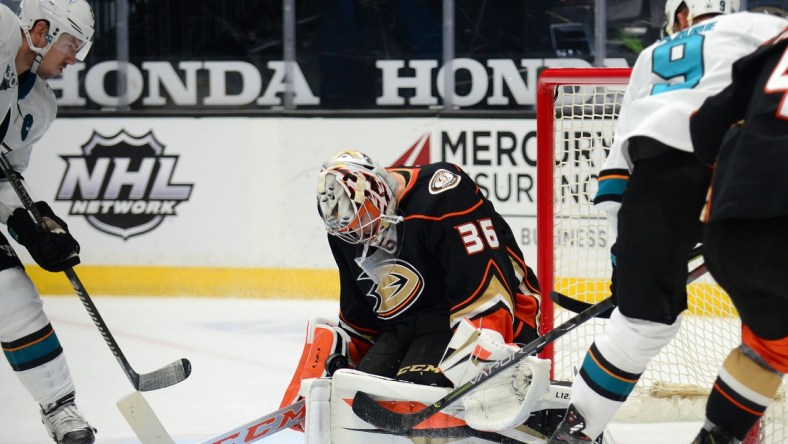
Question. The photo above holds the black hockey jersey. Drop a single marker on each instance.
(751, 171)
(456, 257)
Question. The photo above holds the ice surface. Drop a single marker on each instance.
(243, 353)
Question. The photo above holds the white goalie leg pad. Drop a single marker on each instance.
(347, 428)
(558, 397)
(317, 400)
(507, 400)
(470, 351)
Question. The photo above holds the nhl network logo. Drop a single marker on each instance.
(122, 184)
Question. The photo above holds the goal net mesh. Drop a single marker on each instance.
(577, 111)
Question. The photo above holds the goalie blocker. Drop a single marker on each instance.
(519, 405)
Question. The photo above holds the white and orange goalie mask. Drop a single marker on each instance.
(355, 198)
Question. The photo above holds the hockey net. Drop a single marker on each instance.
(576, 118)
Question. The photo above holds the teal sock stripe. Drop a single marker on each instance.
(33, 350)
(604, 378)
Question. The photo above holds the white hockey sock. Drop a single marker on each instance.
(30, 343)
(48, 382)
(595, 409)
(613, 366)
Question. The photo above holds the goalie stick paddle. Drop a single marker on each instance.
(166, 376)
(265, 426)
(366, 408)
(149, 429)
(577, 306)
(143, 420)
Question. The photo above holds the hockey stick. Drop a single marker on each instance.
(577, 306)
(149, 429)
(166, 376)
(265, 426)
(366, 408)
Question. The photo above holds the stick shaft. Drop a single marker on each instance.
(264, 426)
(370, 411)
(169, 375)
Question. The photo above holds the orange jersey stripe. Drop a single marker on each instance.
(445, 216)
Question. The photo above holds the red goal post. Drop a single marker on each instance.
(549, 81)
(576, 116)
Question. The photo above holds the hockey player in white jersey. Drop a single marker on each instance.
(44, 39)
(654, 189)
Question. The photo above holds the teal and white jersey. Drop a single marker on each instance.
(32, 105)
(10, 42)
(669, 82)
(31, 117)
(672, 77)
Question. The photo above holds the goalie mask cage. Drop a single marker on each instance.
(576, 117)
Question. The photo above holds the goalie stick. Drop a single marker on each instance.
(265, 426)
(149, 429)
(166, 376)
(142, 420)
(366, 408)
(578, 306)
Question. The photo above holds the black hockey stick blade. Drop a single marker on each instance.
(166, 376)
(577, 306)
(368, 409)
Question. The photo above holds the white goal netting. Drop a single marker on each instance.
(577, 110)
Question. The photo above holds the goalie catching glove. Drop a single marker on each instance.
(504, 401)
(52, 246)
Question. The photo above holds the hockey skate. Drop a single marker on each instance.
(65, 424)
(570, 430)
(716, 435)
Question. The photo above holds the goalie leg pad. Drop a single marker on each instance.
(551, 409)
(507, 400)
(347, 428)
(317, 422)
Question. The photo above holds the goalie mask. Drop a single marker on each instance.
(696, 9)
(355, 198)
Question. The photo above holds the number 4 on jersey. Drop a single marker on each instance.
(778, 81)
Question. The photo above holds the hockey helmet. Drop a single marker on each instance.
(73, 17)
(696, 8)
(355, 197)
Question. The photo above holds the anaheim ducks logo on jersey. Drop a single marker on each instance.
(400, 289)
(443, 180)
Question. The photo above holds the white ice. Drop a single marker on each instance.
(243, 353)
